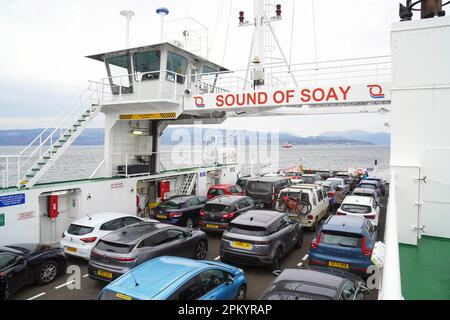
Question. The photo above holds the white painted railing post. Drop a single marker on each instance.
(391, 288)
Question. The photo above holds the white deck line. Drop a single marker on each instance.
(64, 284)
(37, 296)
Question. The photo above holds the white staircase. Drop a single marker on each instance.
(188, 184)
(57, 138)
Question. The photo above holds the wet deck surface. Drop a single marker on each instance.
(258, 278)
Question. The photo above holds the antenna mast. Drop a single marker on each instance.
(163, 12)
(128, 15)
(263, 33)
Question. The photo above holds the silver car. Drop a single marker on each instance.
(120, 251)
(260, 238)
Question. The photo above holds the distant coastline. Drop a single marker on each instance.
(95, 137)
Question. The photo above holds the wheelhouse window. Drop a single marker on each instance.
(119, 71)
(176, 68)
(148, 63)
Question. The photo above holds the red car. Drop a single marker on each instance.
(224, 189)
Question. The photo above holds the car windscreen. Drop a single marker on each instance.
(78, 230)
(368, 186)
(248, 230)
(111, 295)
(216, 192)
(212, 207)
(339, 182)
(349, 240)
(7, 260)
(259, 187)
(356, 208)
(298, 290)
(113, 247)
(309, 179)
(176, 203)
(326, 188)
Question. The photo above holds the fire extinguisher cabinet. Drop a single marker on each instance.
(53, 207)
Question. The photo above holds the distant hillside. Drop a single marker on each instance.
(378, 138)
(18, 137)
(96, 137)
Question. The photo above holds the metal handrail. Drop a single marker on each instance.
(391, 288)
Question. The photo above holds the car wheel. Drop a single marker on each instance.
(47, 272)
(189, 223)
(201, 250)
(241, 293)
(299, 243)
(276, 264)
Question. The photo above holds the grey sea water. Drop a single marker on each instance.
(79, 162)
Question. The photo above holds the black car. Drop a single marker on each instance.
(265, 190)
(21, 265)
(315, 284)
(242, 182)
(220, 211)
(180, 210)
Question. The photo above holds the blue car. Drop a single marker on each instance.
(183, 211)
(172, 278)
(345, 243)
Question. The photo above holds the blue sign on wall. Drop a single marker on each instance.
(12, 200)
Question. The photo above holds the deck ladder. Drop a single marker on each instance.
(188, 184)
(52, 142)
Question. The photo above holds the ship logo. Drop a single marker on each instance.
(376, 91)
(199, 102)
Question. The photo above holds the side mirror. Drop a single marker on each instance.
(276, 273)
(230, 280)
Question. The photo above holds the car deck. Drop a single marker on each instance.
(258, 278)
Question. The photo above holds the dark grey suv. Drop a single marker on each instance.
(120, 251)
(260, 238)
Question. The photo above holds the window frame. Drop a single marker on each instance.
(146, 75)
(178, 77)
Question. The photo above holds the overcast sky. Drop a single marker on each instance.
(43, 44)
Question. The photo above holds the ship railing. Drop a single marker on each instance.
(391, 288)
(9, 170)
(168, 161)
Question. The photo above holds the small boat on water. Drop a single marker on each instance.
(286, 146)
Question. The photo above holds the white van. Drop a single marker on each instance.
(312, 194)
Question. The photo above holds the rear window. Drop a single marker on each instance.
(248, 230)
(78, 230)
(211, 207)
(261, 187)
(368, 186)
(111, 295)
(216, 192)
(355, 208)
(360, 194)
(113, 247)
(173, 203)
(341, 239)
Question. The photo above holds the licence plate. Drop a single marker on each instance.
(338, 265)
(70, 249)
(212, 226)
(160, 216)
(242, 245)
(104, 274)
